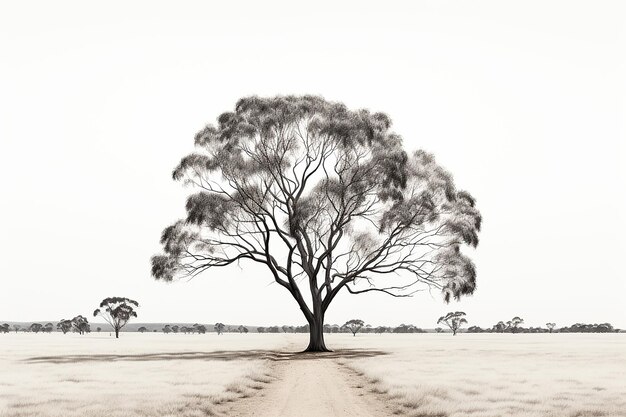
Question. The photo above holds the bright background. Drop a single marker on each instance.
(524, 102)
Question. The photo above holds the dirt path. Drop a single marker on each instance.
(315, 387)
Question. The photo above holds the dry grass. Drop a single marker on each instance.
(427, 375)
(136, 375)
(523, 375)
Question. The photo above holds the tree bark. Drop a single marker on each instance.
(117, 333)
(316, 335)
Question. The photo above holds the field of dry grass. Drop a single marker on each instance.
(136, 375)
(539, 375)
(522, 375)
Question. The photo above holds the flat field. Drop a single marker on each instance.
(488, 375)
(150, 374)
(479, 375)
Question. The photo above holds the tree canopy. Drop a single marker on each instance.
(327, 199)
(454, 320)
(117, 311)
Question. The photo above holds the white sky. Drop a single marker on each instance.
(524, 102)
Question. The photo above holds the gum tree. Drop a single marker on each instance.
(117, 311)
(354, 325)
(513, 324)
(550, 326)
(327, 199)
(454, 320)
(80, 324)
(64, 325)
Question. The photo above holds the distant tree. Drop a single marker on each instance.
(475, 329)
(242, 329)
(380, 330)
(438, 329)
(301, 329)
(117, 311)
(589, 328)
(407, 328)
(64, 325)
(167, 329)
(219, 328)
(4, 328)
(499, 327)
(16, 327)
(550, 326)
(99, 329)
(513, 324)
(80, 324)
(354, 325)
(47, 328)
(142, 329)
(454, 320)
(260, 329)
(200, 328)
(325, 197)
(35, 327)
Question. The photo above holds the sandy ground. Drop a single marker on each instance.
(314, 385)
(425, 375)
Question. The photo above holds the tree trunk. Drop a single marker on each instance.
(453, 332)
(316, 335)
(117, 333)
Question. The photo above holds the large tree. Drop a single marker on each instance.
(117, 311)
(327, 199)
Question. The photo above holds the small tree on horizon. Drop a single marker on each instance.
(142, 329)
(80, 324)
(354, 325)
(454, 320)
(438, 329)
(4, 328)
(513, 324)
(64, 325)
(16, 327)
(199, 328)
(35, 327)
(550, 326)
(117, 311)
(219, 328)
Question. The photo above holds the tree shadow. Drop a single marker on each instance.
(218, 355)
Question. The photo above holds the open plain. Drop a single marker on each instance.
(480, 375)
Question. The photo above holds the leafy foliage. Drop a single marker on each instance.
(64, 325)
(321, 195)
(454, 320)
(354, 325)
(117, 311)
